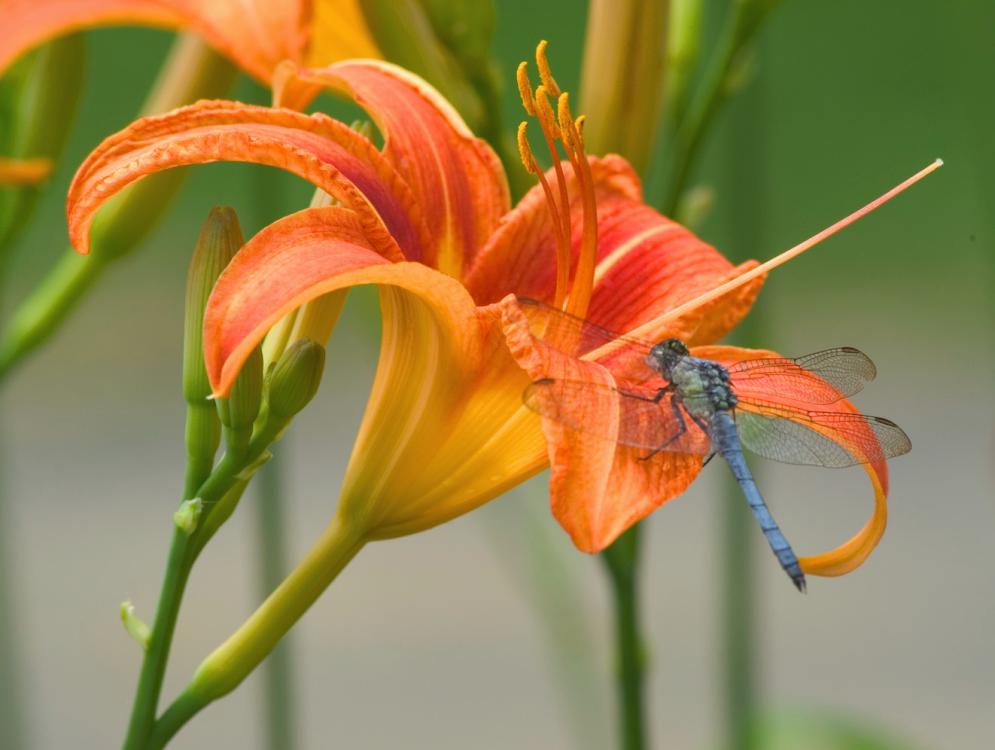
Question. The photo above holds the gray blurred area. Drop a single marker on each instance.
(434, 641)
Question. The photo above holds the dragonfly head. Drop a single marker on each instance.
(666, 354)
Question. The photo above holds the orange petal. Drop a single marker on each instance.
(277, 271)
(456, 178)
(256, 34)
(851, 554)
(445, 429)
(597, 488)
(321, 150)
(24, 171)
(520, 256)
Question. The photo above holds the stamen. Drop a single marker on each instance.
(525, 88)
(583, 282)
(542, 62)
(653, 327)
(561, 126)
(550, 131)
(562, 241)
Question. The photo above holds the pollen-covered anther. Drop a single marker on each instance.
(525, 87)
(545, 73)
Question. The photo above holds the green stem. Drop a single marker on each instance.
(622, 562)
(278, 672)
(744, 20)
(49, 304)
(143, 710)
(224, 669)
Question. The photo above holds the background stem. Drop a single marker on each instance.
(278, 670)
(622, 562)
(745, 202)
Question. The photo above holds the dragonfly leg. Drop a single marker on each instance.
(675, 407)
(707, 459)
(657, 397)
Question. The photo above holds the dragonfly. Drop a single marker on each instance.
(669, 400)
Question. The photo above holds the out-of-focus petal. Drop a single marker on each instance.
(24, 171)
(597, 488)
(852, 553)
(456, 178)
(256, 34)
(338, 31)
(323, 151)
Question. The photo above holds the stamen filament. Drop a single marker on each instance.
(583, 281)
(562, 241)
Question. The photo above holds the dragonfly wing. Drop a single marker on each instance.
(642, 423)
(577, 337)
(819, 378)
(819, 438)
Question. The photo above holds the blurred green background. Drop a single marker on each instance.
(434, 641)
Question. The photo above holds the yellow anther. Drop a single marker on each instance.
(525, 150)
(525, 88)
(544, 72)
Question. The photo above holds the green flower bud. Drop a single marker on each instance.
(293, 381)
(239, 411)
(220, 238)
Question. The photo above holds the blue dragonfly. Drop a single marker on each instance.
(669, 400)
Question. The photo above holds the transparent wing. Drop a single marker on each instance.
(819, 438)
(643, 423)
(819, 378)
(576, 337)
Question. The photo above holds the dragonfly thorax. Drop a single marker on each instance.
(666, 355)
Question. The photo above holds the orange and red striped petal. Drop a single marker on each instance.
(457, 179)
(647, 264)
(598, 489)
(256, 34)
(323, 151)
(852, 553)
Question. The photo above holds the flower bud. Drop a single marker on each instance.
(220, 238)
(239, 411)
(294, 379)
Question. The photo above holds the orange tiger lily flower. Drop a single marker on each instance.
(256, 34)
(428, 219)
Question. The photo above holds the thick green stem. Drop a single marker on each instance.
(278, 672)
(622, 562)
(157, 653)
(233, 661)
